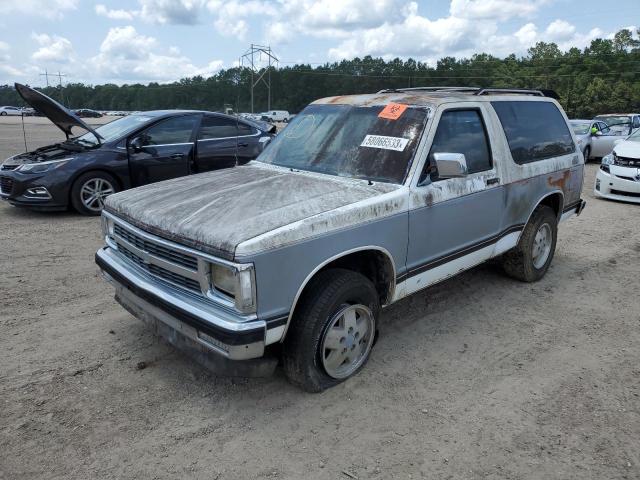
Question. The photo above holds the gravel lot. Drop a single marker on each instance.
(479, 377)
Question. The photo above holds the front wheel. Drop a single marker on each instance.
(4, 114)
(90, 190)
(530, 259)
(333, 330)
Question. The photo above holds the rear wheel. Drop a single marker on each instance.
(333, 330)
(90, 190)
(4, 114)
(530, 259)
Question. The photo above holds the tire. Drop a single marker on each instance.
(80, 195)
(586, 153)
(4, 114)
(521, 262)
(321, 322)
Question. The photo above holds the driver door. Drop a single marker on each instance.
(163, 151)
(602, 142)
(454, 223)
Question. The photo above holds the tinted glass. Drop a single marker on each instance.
(581, 128)
(349, 141)
(244, 129)
(173, 130)
(534, 130)
(462, 131)
(217, 127)
(116, 129)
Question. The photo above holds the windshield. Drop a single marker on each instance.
(113, 130)
(620, 124)
(581, 128)
(635, 137)
(349, 141)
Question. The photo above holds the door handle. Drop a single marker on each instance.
(243, 144)
(493, 181)
(177, 156)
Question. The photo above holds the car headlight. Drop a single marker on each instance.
(237, 283)
(609, 159)
(41, 167)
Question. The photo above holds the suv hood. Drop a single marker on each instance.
(215, 212)
(62, 117)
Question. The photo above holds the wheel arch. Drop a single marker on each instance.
(554, 199)
(382, 269)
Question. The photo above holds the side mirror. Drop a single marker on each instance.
(450, 165)
(136, 144)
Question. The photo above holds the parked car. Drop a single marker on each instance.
(619, 174)
(621, 123)
(4, 111)
(583, 130)
(87, 113)
(276, 115)
(127, 152)
(594, 137)
(301, 248)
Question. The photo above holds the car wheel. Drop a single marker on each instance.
(4, 114)
(332, 331)
(530, 259)
(90, 190)
(586, 153)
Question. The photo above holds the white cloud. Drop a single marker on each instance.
(126, 55)
(114, 14)
(53, 49)
(41, 8)
(6, 67)
(494, 9)
(559, 30)
(178, 12)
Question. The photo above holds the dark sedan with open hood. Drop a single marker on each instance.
(131, 151)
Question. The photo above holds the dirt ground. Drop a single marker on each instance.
(479, 377)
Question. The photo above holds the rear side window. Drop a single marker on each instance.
(217, 127)
(171, 131)
(534, 130)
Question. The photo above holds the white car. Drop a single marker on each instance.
(10, 111)
(277, 115)
(619, 174)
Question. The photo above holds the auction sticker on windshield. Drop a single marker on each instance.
(385, 143)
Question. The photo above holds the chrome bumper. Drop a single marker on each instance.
(211, 327)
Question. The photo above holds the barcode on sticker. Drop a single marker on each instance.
(385, 143)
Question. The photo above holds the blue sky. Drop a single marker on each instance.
(163, 40)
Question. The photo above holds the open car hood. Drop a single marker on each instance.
(62, 117)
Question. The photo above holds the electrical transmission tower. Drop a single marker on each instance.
(46, 75)
(253, 60)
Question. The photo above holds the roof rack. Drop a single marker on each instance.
(478, 91)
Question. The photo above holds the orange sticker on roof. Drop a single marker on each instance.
(393, 111)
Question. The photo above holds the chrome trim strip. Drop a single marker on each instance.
(230, 138)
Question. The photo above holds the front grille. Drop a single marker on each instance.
(9, 167)
(179, 280)
(156, 249)
(631, 179)
(626, 194)
(628, 162)
(6, 185)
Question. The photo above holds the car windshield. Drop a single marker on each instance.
(348, 141)
(635, 137)
(581, 128)
(113, 130)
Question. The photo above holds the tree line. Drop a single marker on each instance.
(601, 78)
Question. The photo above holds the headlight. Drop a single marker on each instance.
(236, 283)
(608, 159)
(41, 167)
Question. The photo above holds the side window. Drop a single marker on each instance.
(535, 130)
(604, 128)
(217, 127)
(173, 130)
(636, 122)
(461, 131)
(244, 129)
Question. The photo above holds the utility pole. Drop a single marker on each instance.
(251, 62)
(46, 75)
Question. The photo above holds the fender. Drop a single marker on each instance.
(384, 251)
(548, 194)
